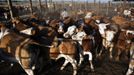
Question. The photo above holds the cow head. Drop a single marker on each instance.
(60, 29)
(102, 27)
(130, 35)
(70, 31)
(88, 15)
(79, 36)
(126, 12)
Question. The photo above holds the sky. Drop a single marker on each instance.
(85, 0)
(66, 0)
(102, 1)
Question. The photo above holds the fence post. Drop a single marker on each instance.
(31, 8)
(108, 7)
(95, 7)
(124, 3)
(10, 9)
(54, 6)
(80, 3)
(63, 5)
(46, 4)
(94, 2)
(51, 6)
(72, 5)
(40, 6)
(86, 5)
(98, 8)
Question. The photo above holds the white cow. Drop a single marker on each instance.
(107, 36)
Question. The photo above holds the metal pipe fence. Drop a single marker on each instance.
(52, 7)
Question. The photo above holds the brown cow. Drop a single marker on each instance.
(123, 43)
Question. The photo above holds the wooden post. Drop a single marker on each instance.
(72, 5)
(63, 5)
(108, 7)
(50, 6)
(94, 3)
(54, 6)
(31, 8)
(99, 8)
(40, 6)
(124, 3)
(95, 6)
(120, 3)
(46, 4)
(86, 5)
(80, 3)
(10, 8)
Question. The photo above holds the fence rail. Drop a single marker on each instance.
(72, 6)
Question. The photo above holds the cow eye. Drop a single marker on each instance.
(81, 36)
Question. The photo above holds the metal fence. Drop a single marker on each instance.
(50, 8)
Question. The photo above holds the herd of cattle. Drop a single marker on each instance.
(34, 42)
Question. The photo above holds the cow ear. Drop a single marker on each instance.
(107, 24)
(77, 30)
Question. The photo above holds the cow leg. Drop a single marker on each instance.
(81, 59)
(111, 56)
(90, 59)
(104, 42)
(74, 67)
(100, 53)
(118, 55)
(111, 51)
(130, 69)
(65, 63)
(91, 65)
(66, 60)
(132, 18)
(72, 61)
(29, 71)
(9, 50)
(131, 63)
